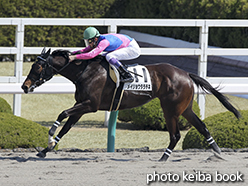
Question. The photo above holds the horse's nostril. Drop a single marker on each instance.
(25, 88)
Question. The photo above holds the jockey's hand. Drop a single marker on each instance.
(72, 58)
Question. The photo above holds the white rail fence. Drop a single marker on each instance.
(12, 84)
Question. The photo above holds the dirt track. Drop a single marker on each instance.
(122, 168)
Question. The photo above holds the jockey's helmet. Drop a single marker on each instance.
(90, 34)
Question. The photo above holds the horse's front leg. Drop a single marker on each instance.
(70, 122)
(53, 142)
(74, 114)
(61, 117)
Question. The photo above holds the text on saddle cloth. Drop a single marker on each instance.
(142, 79)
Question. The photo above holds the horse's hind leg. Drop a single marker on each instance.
(201, 127)
(172, 127)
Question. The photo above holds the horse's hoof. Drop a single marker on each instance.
(216, 148)
(164, 157)
(41, 155)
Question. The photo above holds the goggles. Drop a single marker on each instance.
(89, 41)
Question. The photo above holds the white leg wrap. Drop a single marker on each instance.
(51, 142)
(168, 152)
(50, 139)
(57, 139)
(210, 140)
(56, 124)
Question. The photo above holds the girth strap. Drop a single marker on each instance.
(117, 97)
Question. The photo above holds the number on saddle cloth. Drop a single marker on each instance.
(142, 79)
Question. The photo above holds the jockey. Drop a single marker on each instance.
(117, 46)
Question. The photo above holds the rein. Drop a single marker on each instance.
(49, 63)
(58, 71)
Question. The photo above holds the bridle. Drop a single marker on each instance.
(47, 72)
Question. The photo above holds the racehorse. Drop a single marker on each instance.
(94, 89)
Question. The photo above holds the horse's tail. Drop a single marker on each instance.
(206, 87)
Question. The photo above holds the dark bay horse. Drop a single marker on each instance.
(94, 89)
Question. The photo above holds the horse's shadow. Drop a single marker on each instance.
(22, 159)
(34, 159)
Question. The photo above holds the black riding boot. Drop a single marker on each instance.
(126, 76)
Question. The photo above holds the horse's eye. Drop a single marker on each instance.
(37, 68)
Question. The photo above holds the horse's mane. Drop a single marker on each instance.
(63, 53)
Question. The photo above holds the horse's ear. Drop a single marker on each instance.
(47, 53)
(43, 51)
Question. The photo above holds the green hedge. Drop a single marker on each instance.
(56, 36)
(189, 9)
(226, 130)
(150, 116)
(4, 106)
(62, 36)
(18, 132)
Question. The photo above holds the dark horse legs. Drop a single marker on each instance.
(173, 129)
(74, 113)
(70, 122)
(175, 136)
(53, 142)
(201, 127)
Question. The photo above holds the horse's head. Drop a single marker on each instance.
(40, 72)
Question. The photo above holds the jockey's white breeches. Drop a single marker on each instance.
(132, 51)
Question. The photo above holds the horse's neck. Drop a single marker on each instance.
(58, 62)
(72, 71)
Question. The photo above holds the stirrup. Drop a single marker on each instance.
(127, 80)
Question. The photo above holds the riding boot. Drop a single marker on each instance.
(126, 76)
